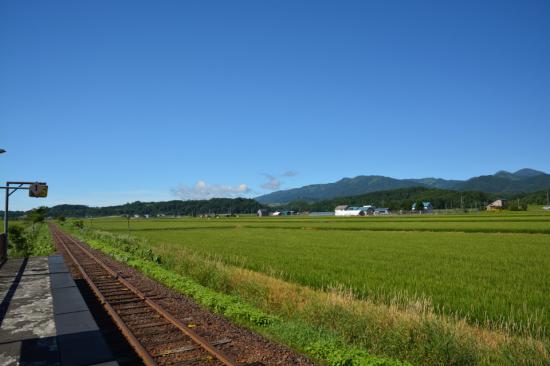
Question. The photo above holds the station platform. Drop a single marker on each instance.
(44, 319)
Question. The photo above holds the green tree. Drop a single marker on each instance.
(38, 215)
(419, 206)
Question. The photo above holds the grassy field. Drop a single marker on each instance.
(525, 222)
(490, 271)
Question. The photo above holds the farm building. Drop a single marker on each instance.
(428, 207)
(345, 210)
(262, 212)
(499, 204)
(381, 211)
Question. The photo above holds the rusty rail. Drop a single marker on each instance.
(148, 359)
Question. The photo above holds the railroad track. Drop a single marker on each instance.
(156, 335)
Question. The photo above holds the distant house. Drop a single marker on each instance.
(428, 207)
(499, 204)
(547, 208)
(262, 212)
(345, 210)
(381, 211)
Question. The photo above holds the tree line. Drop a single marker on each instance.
(168, 208)
(395, 200)
(229, 206)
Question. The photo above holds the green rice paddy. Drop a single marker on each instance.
(490, 269)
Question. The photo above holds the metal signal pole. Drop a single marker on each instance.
(5, 209)
(35, 190)
(6, 206)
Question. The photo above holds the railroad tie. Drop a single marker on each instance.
(190, 347)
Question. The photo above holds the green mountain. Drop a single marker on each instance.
(503, 182)
(344, 187)
(402, 199)
(524, 180)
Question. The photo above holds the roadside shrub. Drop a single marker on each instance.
(516, 207)
(335, 356)
(79, 224)
(136, 247)
(33, 240)
(18, 242)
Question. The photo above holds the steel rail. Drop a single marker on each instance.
(134, 342)
(203, 343)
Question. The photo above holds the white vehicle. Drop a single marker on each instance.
(345, 210)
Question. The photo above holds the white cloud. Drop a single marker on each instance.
(273, 183)
(290, 173)
(203, 190)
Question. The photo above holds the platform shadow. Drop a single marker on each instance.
(11, 291)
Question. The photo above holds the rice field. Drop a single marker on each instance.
(490, 269)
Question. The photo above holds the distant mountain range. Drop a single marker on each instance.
(502, 182)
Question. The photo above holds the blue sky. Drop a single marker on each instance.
(117, 101)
